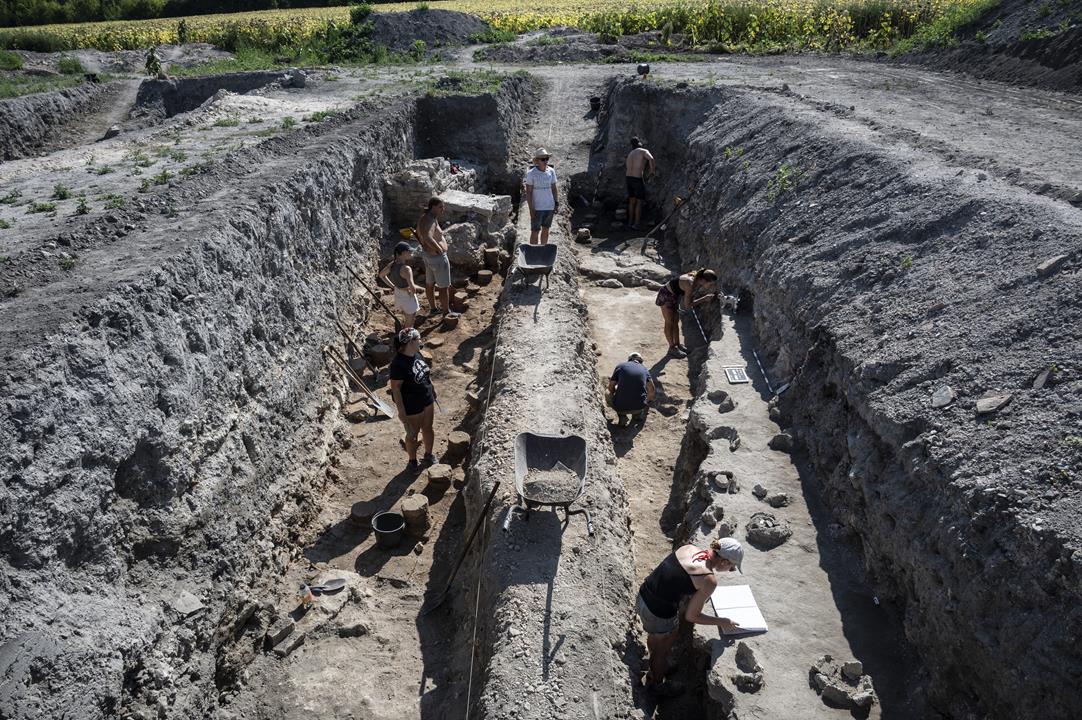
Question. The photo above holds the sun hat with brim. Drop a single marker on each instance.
(635, 357)
(541, 153)
(730, 549)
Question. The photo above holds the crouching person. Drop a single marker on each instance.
(631, 390)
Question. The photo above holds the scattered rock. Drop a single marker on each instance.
(727, 527)
(582, 236)
(458, 447)
(748, 682)
(943, 396)
(278, 632)
(186, 604)
(723, 399)
(1042, 378)
(853, 669)
(765, 531)
(709, 517)
(112, 132)
(284, 649)
(745, 658)
(993, 402)
(440, 475)
(781, 441)
(610, 283)
(842, 686)
(1051, 265)
(777, 500)
(759, 491)
(356, 629)
(415, 513)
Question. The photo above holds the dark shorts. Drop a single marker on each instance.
(666, 299)
(636, 188)
(542, 218)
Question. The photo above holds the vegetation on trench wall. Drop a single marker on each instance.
(726, 24)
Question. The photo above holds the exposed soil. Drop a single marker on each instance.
(436, 28)
(569, 45)
(396, 661)
(1019, 42)
(179, 458)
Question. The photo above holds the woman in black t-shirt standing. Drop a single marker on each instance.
(411, 387)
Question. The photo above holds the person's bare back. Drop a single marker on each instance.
(637, 160)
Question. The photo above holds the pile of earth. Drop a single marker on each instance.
(121, 61)
(437, 28)
(570, 45)
(1019, 41)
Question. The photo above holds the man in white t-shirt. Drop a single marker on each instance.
(541, 196)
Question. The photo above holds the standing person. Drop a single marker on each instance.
(687, 572)
(411, 388)
(434, 255)
(631, 389)
(399, 275)
(541, 196)
(639, 164)
(676, 298)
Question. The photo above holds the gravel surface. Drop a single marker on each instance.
(551, 486)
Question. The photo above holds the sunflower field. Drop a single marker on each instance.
(755, 25)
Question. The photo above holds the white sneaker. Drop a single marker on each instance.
(452, 315)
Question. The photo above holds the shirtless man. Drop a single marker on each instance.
(638, 160)
(434, 255)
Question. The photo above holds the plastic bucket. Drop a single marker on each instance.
(595, 104)
(389, 527)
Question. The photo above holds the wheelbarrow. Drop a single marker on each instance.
(536, 260)
(550, 472)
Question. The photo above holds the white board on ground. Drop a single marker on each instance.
(736, 375)
(738, 604)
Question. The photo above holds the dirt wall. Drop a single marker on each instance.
(879, 278)
(167, 436)
(487, 130)
(166, 98)
(27, 122)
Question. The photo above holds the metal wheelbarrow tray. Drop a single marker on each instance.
(534, 260)
(551, 456)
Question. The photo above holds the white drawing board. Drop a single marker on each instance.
(738, 604)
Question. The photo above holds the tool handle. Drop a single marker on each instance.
(477, 526)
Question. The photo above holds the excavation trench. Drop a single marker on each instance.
(891, 522)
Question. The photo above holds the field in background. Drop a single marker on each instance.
(756, 25)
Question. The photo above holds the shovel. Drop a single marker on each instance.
(439, 599)
(328, 587)
(381, 405)
(376, 297)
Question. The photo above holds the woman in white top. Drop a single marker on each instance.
(399, 275)
(541, 196)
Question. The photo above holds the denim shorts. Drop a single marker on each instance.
(542, 218)
(651, 623)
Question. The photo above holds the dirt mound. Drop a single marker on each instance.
(1019, 42)
(568, 45)
(437, 28)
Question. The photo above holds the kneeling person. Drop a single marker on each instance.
(631, 389)
(411, 387)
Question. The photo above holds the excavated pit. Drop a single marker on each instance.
(170, 428)
(923, 323)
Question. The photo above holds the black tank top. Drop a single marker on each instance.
(396, 275)
(666, 586)
(674, 286)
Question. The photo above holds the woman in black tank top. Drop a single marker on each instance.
(688, 572)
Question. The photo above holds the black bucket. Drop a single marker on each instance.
(389, 528)
(595, 104)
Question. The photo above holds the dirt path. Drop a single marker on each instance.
(90, 128)
(373, 655)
